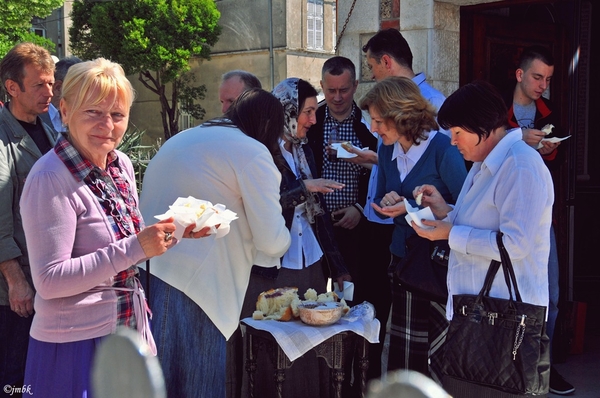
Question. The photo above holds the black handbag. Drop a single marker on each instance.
(498, 343)
(424, 268)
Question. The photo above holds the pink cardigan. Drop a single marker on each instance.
(72, 250)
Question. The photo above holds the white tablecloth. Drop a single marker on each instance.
(296, 338)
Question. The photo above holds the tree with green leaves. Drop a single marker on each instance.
(155, 39)
(15, 22)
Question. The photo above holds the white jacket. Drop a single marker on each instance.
(222, 165)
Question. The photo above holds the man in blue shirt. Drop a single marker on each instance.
(388, 54)
(52, 118)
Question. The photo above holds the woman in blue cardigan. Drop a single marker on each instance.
(413, 153)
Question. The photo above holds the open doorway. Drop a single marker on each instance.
(492, 36)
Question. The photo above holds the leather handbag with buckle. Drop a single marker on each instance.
(495, 342)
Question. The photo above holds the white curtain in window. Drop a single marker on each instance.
(314, 26)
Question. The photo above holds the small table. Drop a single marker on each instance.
(336, 351)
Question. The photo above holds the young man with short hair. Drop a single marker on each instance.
(529, 110)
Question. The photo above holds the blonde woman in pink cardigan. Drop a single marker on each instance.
(85, 234)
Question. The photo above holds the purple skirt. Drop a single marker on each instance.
(60, 369)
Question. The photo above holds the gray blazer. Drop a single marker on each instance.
(18, 153)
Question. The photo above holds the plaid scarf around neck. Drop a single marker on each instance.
(114, 193)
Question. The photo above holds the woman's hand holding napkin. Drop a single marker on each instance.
(202, 213)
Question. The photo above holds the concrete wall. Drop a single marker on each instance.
(245, 25)
(57, 27)
(363, 23)
(431, 29)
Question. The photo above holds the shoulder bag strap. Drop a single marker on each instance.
(507, 267)
(489, 278)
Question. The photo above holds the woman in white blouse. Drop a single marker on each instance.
(508, 189)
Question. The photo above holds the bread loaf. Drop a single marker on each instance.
(281, 304)
(276, 303)
(325, 297)
(311, 294)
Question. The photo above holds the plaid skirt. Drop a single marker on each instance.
(417, 334)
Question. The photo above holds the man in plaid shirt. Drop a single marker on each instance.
(340, 120)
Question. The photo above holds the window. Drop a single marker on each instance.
(334, 26)
(314, 19)
(186, 121)
(39, 31)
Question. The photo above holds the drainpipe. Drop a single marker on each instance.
(271, 58)
(59, 29)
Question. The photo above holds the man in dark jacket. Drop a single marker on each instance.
(27, 75)
(340, 120)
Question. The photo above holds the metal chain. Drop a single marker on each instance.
(519, 336)
(344, 27)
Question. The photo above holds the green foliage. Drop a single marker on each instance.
(153, 38)
(15, 22)
(140, 154)
(18, 13)
(189, 93)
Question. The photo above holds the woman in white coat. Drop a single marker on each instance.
(196, 293)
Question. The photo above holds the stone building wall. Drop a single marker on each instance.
(431, 28)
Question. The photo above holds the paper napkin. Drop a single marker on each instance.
(202, 213)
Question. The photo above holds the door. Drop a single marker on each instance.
(491, 40)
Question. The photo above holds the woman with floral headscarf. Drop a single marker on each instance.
(302, 202)
(310, 227)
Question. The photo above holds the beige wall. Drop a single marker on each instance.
(245, 25)
(57, 27)
(306, 67)
(145, 111)
(430, 27)
(244, 44)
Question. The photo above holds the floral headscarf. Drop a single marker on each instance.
(287, 93)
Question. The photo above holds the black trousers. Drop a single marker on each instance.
(366, 252)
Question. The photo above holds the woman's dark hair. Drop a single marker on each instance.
(259, 115)
(305, 90)
(476, 107)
